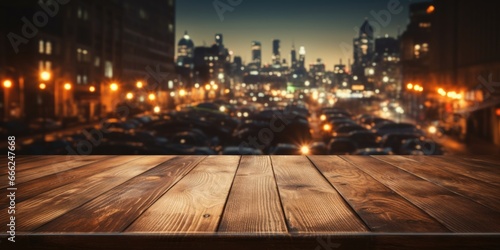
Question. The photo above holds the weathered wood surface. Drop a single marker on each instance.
(255, 202)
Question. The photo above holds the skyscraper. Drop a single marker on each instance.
(364, 48)
(302, 57)
(276, 52)
(185, 51)
(257, 53)
(293, 58)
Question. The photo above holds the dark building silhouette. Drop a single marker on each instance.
(293, 58)
(415, 45)
(465, 58)
(85, 45)
(276, 53)
(185, 57)
(256, 54)
(363, 47)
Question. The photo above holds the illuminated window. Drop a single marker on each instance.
(424, 25)
(79, 55)
(108, 69)
(48, 48)
(41, 66)
(97, 61)
(41, 46)
(170, 28)
(430, 9)
(79, 13)
(143, 14)
(84, 79)
(79, 79)
(48, 65)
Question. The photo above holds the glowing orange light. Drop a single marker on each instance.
(430, 9)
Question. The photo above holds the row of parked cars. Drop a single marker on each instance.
(367, 134)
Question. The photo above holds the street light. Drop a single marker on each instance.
(42, 86)
(151, 97)
(45, 75)
(67, 86)
(7, 84)
(113, 87)
(139, 85)
(130, 96)
(182, 93)
(92, 89)
(409, 86)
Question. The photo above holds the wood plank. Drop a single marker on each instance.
(46, 206)
(195, 203)
(253, 205)
(450, 164)
(457, 213)
(379, 207)
(82, 169)
(479, 191)
(309, 202)
(49, 166)
(120, 206)
(476, 161)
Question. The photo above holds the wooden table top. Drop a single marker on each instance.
(249, 202)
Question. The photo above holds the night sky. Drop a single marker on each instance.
(325, 27)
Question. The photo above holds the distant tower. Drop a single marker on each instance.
(293, 57)
(276, 52)
(185, 51)
(302, 57)
(364, 48)
(257, 53)
(219, 40)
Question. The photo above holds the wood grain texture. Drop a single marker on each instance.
(477, 161)
(48, 166)
(195, 203)
(78, 169)
(116, 209)
(479, 191)
(309, 202)
(254, 205)
(46, 206)
(379, 207)
(481, 173)
(457, 213)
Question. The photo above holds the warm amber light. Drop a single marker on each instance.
(113, 86)
(7, 83)
(430, 9)
(156, 109)
(207, 87)
(497, 112)
(215, 86)
(67, 86)
(304, 150)
(139, 85)
(130, 96)
(42, 86)
(45, 75)
(92, 89)
(327, 127)
(152, 97)
(409, 86)
(182, 92)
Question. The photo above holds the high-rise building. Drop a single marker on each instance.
(293, 57)
(219, 40)
(276, 52)
(257, 54)
(363, 46)
(87, 45)
(185, 51)
(302, 57)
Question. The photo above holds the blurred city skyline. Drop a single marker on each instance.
(324, 28)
